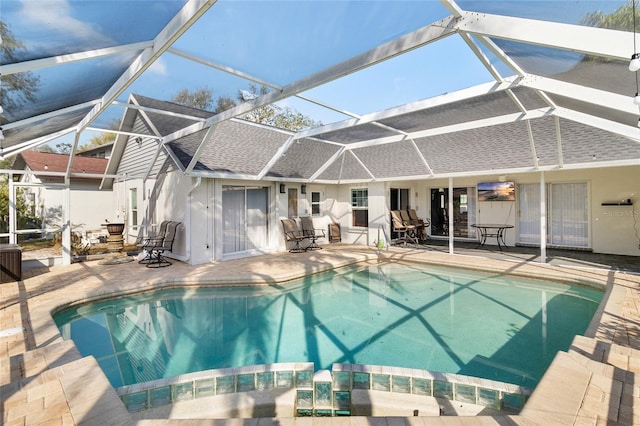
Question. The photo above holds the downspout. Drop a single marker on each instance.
(188, 227)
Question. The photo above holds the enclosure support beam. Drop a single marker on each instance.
(543, 219)
(66, 227)
(12, 211)
(450, 211)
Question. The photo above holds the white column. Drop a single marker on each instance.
(543, 219)
(66, 225)
(450, 212)
(12, 211)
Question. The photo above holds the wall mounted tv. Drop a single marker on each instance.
(496, 191)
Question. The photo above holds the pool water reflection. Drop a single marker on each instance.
(409, 315)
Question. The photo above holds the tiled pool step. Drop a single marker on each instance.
(325, 393)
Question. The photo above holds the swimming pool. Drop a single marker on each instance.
(409, 315)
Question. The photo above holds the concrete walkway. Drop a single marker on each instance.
(44, 380)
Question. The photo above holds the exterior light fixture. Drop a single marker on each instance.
(1, 134)
(283, 188)
(303, 189)
(634, 65)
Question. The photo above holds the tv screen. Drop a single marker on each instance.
(496, 191)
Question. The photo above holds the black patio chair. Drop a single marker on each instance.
(156, 252)
(152, 240)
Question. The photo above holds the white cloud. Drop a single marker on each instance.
(57, 16)
(159, 67)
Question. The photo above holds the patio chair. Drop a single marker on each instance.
(406, 231)
(156, 252)
(421, 224)
(293, 234)
(152, 240)
(310, 232)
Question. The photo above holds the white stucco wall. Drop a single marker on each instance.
(613, 229)
(89, 206)
(158, 200)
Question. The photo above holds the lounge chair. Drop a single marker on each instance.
(156, 252)
(406, 231)
(310, 232)
(293, 234)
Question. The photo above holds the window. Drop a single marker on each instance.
(315, 203)
(399, 199)
(134, 208)
(32, 203)
(360, 207)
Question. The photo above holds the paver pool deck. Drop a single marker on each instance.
(44, 380)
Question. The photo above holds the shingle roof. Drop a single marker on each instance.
(47, 162)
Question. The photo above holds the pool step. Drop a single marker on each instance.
(76, 392)
(386, 404)
(36, 362)
(595, 381)
(613, 393)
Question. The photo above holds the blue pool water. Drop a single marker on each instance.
(418, 316)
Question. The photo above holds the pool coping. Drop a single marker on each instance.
(605, 359)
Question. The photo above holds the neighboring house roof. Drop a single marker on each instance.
(47, 162)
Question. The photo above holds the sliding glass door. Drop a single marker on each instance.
(567, 213)
(245, 212)
(464, 212)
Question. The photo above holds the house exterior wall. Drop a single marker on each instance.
(201, 224)
(89, 206)
(613, 229)
(136, 156)
(171, 204)
(162, 199)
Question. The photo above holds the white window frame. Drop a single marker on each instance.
(359, 203)
(317, 204)
(133, 209)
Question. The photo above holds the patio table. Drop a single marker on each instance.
(492, 230)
